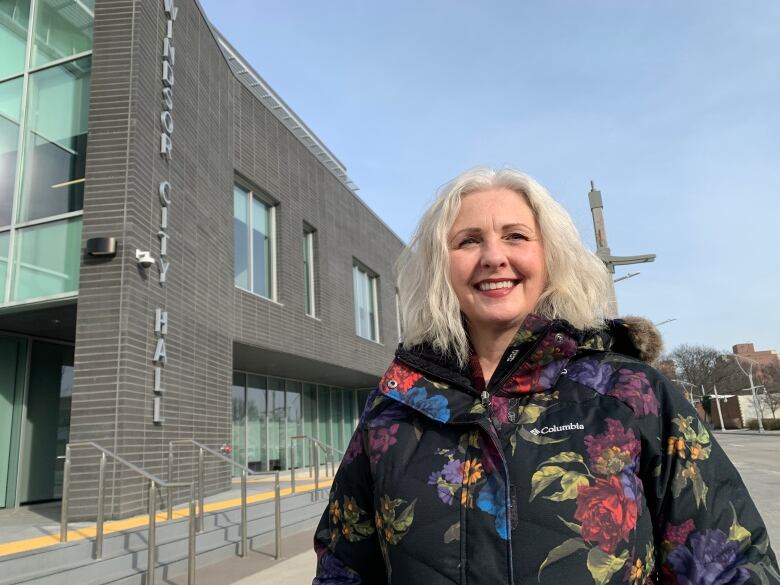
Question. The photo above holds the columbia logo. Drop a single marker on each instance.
(557, 429)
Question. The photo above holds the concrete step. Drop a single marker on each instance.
(125, 553)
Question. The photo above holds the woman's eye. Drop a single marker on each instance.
(467, 241)
(516, 236)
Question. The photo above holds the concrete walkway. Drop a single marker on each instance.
(298, 570)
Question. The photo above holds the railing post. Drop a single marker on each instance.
(316, 474)
(65, 496)
(278, 515)
(311, 458)
(292, 465)
(201, 488)
(170, 480)
(191, 549)
(101, 507)
(243, 513)
(151, 556)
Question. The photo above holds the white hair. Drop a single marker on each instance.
(577, 288)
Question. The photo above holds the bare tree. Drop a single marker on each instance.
(697, 364)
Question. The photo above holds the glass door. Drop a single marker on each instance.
(46, 425)
(13, 357)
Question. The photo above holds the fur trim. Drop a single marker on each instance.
(639, 338)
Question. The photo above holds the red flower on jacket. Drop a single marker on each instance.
(400, 378)
(524, 381)
(607, 515)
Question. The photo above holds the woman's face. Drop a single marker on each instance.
(496, 260)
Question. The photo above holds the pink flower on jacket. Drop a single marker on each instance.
(354, 448)
(635, 390)
(614, 450)
(679, 534)
(380, 440)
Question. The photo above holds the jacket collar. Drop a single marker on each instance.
(433, 383)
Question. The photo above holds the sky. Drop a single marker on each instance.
(671, 108)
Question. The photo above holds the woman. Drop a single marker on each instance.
(518, 437)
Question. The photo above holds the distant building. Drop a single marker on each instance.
(767, 357)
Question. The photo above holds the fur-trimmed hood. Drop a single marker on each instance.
(636, 337)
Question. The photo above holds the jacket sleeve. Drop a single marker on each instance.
(346, 541)
(707, 528)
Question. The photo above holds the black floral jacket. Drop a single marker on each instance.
(577, 465)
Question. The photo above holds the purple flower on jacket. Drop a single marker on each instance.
(331, 570)
(635, 390)
(549, 374)
(613, 450)
(451, 473)
(592, 373)
(354, 448)
(380, 440)
(632, 487)
(712, 559)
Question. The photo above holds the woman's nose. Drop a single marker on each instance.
(493, 255)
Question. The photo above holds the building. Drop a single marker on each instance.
(180, 256)
(767, 357)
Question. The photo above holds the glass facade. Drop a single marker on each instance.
(366, 318)
(253, 224)
(269, 411)
(45, 75)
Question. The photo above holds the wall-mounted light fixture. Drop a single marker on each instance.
(101, 247)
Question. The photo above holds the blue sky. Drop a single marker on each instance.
(672, 108)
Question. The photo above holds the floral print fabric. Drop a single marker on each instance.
(583, 466)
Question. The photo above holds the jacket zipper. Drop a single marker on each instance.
(489, 429)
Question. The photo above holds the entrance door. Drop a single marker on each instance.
(12, 366)
(46, 426)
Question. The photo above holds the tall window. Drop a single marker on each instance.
(366, 317)
(254, 221)
(308, 270)
(45, 76)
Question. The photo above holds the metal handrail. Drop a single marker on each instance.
(202, 450)
(154, 483)
(314, 460)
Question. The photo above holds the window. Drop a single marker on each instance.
(308, 271)
(366, 317)
(45, 75)
(254, 222)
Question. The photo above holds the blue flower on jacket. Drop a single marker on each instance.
(492, 499)
(592, 373)
(435, 407)
(710, 559)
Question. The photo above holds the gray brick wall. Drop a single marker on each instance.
(220, 129)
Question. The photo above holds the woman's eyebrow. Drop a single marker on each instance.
(511, 226)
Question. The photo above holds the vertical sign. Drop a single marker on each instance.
(160, 357)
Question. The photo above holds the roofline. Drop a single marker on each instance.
(273, 96)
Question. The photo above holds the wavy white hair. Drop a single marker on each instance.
(577, 286)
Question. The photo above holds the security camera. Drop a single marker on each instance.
(144, 258)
